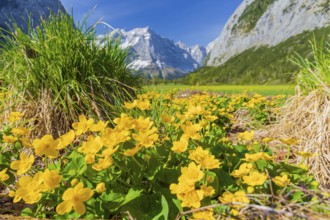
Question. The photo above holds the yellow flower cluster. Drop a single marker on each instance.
(18, 134)
(154, 131)
(98, 149)
(30, 188)
(204, 158)
(237, 200)
(186, 190)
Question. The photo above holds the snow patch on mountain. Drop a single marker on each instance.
(157, 55)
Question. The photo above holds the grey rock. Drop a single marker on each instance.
(282, 20)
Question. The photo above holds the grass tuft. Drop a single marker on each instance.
(66, 67)
(306, 115)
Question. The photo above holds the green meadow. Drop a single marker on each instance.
(227, 89)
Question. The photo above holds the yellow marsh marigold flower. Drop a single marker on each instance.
(133, 151)
(191, 174)
(239, 196)
(181, 188)
(147, 138)
(66, 139)
(305, 154)
(20, 131)
(98, 127)
(22, 165)
(29, 189)
(90, 158)
(191, 130)
(52, 179)
(204, 158)
(83, 125)
(166, 118)
(267, 139)
(9, 139)
(102, 164)
(282, 180)
(244, 169)
(124, 122)
(3, 175)
(180, 146)
(131, 105)
(74, 182)
(143, 124)
(234, 212)
(109, 151)
(15, 116)
(257, 156)
(192, 199)
(289, 141)
(250, 189)
(91, 146)
(143, 105)
(207, 190)
(26, 142)
(46, 146)
(255, 179)
(211, 118)
(112, 137)
(246, 135)
(205, 215)
(227, 197)
(100, 188)
(74, 198)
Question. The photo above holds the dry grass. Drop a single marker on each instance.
(307, 118)
(40, 115)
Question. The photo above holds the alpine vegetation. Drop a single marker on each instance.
(59, 71)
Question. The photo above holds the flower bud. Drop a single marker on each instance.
(100, 188)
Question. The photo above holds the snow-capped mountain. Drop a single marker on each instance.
(267, 23)
(197, 52)
(156, 56)
(20, 10)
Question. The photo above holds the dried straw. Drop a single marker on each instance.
(43, 117)
(307, 118)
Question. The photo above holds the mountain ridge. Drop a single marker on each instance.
(19, 11)
(157, 56)
(267, 22)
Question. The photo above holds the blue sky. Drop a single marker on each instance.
(190, 21)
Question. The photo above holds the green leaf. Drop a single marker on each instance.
(5, 158)
(165, 210)
(168, 176)
(297, 196)
(152, 169)
(76, 166)
(292, 169)
(27, 212)
(112, 197)
(261, 164)
(225, 180)
(131, 195)
(216, 183)
(148, 206)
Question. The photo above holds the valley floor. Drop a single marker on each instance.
(227, 89)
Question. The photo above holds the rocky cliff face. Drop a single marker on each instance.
(197, 52)
(19, 11)
(267, 23)
(157, 56)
